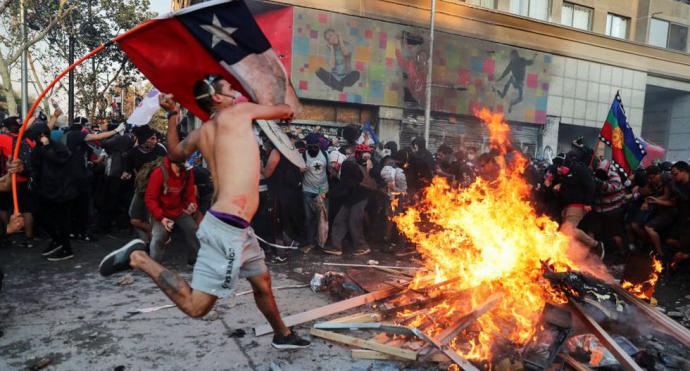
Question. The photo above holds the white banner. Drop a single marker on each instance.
(145, 110)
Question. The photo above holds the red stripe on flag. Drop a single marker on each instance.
(173, 60)
(606, 131)
(277, 26)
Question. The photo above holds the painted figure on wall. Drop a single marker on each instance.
(517, 68)
(341, 74)
(412, 59)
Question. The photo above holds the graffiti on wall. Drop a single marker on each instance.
(350, 59)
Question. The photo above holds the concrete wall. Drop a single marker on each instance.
(581, 92)
(679, 129)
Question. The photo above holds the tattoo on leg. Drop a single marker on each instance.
(169, 281)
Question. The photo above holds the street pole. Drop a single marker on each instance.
(25, 63)
(430, 65)
(70, 89)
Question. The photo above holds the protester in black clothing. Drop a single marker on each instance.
(56, 187)
(147, 150)
(679, 237)
(445, 162)
(76, 140)
(421, 167)
(352, 196)
(285, 186)
(575, 190)
(115, 192)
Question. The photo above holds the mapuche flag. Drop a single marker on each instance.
(626, 150)
(176, 50)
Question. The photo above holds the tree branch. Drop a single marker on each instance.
(4, 5)
(41, 35)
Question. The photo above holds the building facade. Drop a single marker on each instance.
(551, 66)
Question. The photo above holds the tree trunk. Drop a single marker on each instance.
(7, 86)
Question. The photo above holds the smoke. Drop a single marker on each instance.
(588, 262)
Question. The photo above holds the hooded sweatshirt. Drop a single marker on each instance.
(169, 201)
(610, 192)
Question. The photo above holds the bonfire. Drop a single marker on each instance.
(487, 239)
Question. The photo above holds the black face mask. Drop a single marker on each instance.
(313, 152)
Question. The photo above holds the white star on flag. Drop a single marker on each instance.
(219, 32)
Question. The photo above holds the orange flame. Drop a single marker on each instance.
(489, 236)
(645, 289)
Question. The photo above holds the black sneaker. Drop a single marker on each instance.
(60, 255)
(277, 260)
(52, 247)
(118, 260)
(292, 341)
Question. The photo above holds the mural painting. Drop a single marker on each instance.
(358, 60)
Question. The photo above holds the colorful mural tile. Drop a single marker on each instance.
(350, 59)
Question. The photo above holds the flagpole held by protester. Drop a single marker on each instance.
(627, 150)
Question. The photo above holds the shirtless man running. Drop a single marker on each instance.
(229, 249)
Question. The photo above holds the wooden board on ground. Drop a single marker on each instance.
(623, 358)
(373, 279)
(374, 355)
(367, 344)
(672, 327)
(358, 318)
(327, 310)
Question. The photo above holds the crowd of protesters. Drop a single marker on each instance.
(83, 180)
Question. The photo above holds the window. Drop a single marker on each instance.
(484, 3)
(658, 33)
(617, 26)
(577, 16)
(668, 35)
(539, 9)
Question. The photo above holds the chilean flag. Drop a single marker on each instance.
(176, 50)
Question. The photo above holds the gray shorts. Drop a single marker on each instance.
(226, 254)
(137, 208)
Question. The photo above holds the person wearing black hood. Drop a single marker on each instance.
(576, 191)
(76, 141)
(421, 167)
(114, 191)
(147, 150)
(56, 188)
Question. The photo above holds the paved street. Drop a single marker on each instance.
(68, 315)
(65, 316)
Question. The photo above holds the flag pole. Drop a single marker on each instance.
(38, 100)
(596, 145)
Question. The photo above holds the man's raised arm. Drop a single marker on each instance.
(177, 150)
(262, 112)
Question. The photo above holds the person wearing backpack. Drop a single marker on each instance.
(8, 139)
(147, 150)
(171, 199)
(56, 188)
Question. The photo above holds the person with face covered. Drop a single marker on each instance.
(76, 139)
(56, 188)
(171, 200)
(314, 188)
(575, 191)
(146, 151)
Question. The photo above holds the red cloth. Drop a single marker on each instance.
(7, 151)
(172, 203)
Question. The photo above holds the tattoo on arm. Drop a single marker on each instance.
(169, 282)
